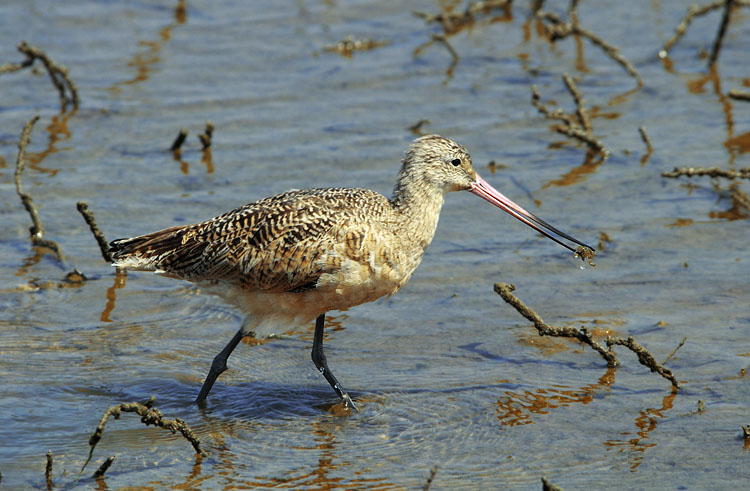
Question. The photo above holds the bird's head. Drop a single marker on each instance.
(440, 162)
(445, 165)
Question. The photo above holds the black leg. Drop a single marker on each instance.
(319, 358)
(219, 365)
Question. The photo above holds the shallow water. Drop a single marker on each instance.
(445, 372)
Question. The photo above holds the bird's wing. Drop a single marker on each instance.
(282, 243)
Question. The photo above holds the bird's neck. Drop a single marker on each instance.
(418, 203)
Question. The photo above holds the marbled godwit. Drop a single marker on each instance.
(290, 258)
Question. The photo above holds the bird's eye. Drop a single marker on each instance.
(456, 162)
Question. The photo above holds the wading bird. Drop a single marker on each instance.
(288, 259)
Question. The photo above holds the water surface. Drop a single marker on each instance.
(445, 372)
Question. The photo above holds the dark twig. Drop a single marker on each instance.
(739, 95)
(548, 486)
(349, 45)
(739, 198)
(644, 357)
(743, 173)
(649, 145)
(585, 137)
(58, 74)
(48, 471)
(549, 114)
(452, 21)
(583, 115)
(177, 143)
(74, 278)
(440, 38)
(693, 11)
(36, 230)
(669, 357)
(576, 126)
(88, 215)
(505, 290)
(646, 139)
(557, 29)
(417, 127)
(14, 67)
(104, 467)
(427, 483)
(536, 6)
(149, 416)
(728, 7)
(23, 142)
(454, 56)
(205, 137)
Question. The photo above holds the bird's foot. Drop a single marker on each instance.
(348, 402)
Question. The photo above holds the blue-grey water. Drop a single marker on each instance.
(446, 374)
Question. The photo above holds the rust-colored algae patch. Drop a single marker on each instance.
(578, 174)
(596, 112)
(697, 85)
(547, 346)
(517, 408)
(149, 56)
(341, 410)
(740, 209)
(635, 445)
(680, 222)
(253, 341)
(334, 323)
(604, 240)
(58, 131)
(739, 143)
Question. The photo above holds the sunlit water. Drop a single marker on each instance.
(446, 374)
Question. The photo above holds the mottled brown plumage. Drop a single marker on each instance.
(290, 258)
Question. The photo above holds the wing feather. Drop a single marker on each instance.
(282, 243)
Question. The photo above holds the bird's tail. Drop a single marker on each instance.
(150, 252)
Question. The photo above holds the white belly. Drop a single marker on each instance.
(278, 312)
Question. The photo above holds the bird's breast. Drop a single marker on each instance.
(366, 265)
